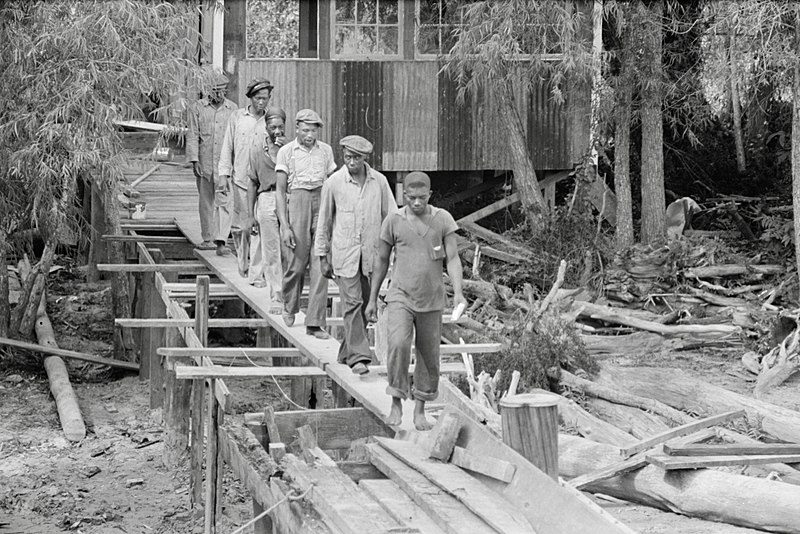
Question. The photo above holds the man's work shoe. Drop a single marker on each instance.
(360, 369)
(288, 319)
(206, 245)
(223, 250)
(317, 332)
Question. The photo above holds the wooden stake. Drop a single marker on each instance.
(198, 390)
(212, 471)
(530, 427)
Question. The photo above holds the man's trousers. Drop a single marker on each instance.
(265, 247)
(354, 292)
(215, 214)
(241, 240)
(402, 324)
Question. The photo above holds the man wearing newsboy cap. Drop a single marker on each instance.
(301, 168)
(245, 126)
(355, 201)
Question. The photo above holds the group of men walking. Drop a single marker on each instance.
(290, 210)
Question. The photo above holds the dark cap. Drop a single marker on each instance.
(257, 85)
(417, 179)
(357, 144)
(273, 112)
(310, 116)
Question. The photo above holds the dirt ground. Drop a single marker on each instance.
(115, 481)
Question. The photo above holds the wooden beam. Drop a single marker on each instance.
(182, 268)
(145, 238)
(732, 450)
(183, 323)
(670, 463)
(619, 468)
(119, 364)
(490, 209)
(152, 169)
(680, 431)
(485, 465)
(193, 372)
(483, 502)
(229, 352)
(399, 505)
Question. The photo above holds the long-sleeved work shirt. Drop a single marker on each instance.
(243, 130)
(350, 218)
(305, 168)
(206, 132)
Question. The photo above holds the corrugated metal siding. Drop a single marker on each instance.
(282, 75)
(455, 127)
(314, 89)
(361, 109)
(548, 139)
(410, 117)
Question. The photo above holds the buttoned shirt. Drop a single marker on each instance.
(306, 168)
(261, 170)
(243, 130)
(207, 124)
(350, 217)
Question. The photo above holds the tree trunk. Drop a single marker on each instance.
(622, 151)
(124, 344)
(5, 305)
(525, 179)
(756, 123)
(653, 196)
(796, 141)
(741, 163)
(705, 493)
(675, 388)
(36, 291)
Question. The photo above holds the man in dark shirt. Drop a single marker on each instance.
(423, 238)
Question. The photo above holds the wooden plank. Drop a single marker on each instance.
(334, 428)
(444, 509)
(485, 465)
(732, 450)
(182, 268)
(175, 323)
(337, 498)
(144, 238)
(680, 431)
(229, 352)
(620, 468)
(494, 207)
(670, 463)
(399, 505)
(64, 353)
(482, 501)
(212, 465)
(188, 372)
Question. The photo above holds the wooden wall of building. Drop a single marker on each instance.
(409, 110)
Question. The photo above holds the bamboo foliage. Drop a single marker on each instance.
(69, 70)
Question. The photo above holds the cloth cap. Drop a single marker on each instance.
(310, 116)
(273, 112)
(257, 85)
(357, 144)
(417, 179)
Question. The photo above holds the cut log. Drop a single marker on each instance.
(54, 350)
(613, 315)
(634, 421)
(69, 412)
(676, 388)
(707, 494)
(530, 427)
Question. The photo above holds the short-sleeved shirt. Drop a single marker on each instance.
(419, 259)
(261, 170)
(306, 168)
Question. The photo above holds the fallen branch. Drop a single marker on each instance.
(612, 315)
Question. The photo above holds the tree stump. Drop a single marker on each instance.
(530, 427)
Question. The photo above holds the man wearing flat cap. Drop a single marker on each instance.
(265, 242)
(245, 126)
(302, 167)
(355, 201)
(207, 121)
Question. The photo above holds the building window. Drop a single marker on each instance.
(364, 28)
(436, 23)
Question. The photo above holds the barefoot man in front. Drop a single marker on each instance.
(423, 238)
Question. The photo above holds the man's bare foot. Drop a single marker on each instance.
(420, 421)
(396, 413)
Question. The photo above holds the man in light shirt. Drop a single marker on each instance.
(302, 166)
(355, 201)
(244, 127)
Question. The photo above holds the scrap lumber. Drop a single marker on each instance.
(713, 271)
(670, 463)
(493, 237)
(444, 436)
(703, 493)
(444, 509)
(55, 351)
(485, 465)
(678, 389)
(482, 501)
(621, 397)
(732, 450)
(181, 268)
(338, 500)
(682, 430)
(614, 315)
(399, 505)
